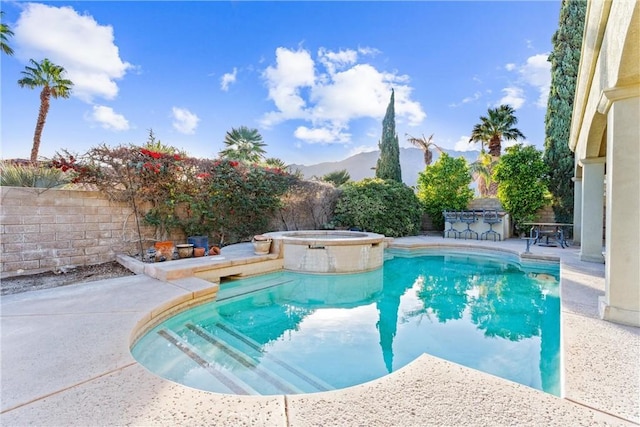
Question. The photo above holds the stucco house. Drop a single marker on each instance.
(605, 137)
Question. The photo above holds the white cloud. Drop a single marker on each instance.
(514, 96)
(369, 51)
(467, 100)
(336, 60)
(227, 79)
(108, 119)
(184, 121)
(463, 144)
(359, 91)
(537, 73)
(294, 70)
(76, 42)
(406, 108)
(330, 98)
(321, 135)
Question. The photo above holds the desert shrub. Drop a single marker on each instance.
(381, 206)
(30, 175)
(522, 182)
(444, 185)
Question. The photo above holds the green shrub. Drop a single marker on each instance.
(28, 175)
(522, 182)
(231, 200)
(381, 206)
(444, 185)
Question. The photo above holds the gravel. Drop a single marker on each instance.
(51, 279)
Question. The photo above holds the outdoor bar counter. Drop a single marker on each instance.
(477, 224)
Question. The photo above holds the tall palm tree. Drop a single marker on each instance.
(49, 76)
(5, 32)
(244, 144)
(425, 145)
(498, 125)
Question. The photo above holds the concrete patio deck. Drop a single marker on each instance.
(66, 361)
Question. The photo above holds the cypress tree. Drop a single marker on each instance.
(388, 166)
(565, 59)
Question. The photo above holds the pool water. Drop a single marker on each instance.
(286, 333)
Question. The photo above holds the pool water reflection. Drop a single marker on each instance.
(307, 333)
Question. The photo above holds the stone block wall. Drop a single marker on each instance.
(50, 229)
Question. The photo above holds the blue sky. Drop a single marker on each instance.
(313, 77)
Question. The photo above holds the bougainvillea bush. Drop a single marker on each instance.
(231, 201)
(148, 180)
(223, 199)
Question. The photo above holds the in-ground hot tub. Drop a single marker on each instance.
(328, 251)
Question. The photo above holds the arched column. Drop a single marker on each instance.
(592, 209)
(621, 302)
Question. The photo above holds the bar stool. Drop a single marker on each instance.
(490, 216)
(468, 217)
(450, 217)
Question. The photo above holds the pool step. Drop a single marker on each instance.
(246, 286)
(232, 383)
(309, 382)
(263, 374)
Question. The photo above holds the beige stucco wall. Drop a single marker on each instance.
(608, 71)
(605, 136)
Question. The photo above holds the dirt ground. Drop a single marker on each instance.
(90, 273)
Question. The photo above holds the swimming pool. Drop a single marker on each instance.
(286, 332)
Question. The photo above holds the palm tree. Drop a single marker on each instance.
(482, 172)
(274, 162)
(5, 32)
(425, 145)
(244, 144)
(49, 76)
(496, 126)
(337, 178)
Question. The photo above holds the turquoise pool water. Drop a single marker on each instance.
(290, 333)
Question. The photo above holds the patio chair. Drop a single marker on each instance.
(468, 217)
(490, 216)
(451, 217)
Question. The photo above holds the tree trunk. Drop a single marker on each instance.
(45, 95)
(428, 157)
(495, 146)
(492, 191)
(482, 186)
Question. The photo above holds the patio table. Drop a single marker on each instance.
(548, 233)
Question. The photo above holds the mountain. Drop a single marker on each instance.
(362, 165)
